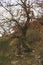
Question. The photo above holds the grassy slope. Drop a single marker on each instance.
(35, 39)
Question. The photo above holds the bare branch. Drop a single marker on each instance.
(6, 9)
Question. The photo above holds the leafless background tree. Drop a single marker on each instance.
(18, 16)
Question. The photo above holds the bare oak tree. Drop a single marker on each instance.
(24, 13)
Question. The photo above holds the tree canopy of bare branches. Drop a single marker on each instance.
(22, 11)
